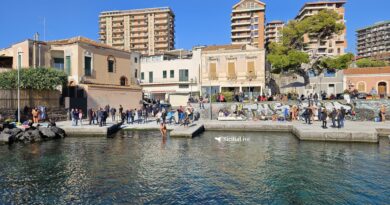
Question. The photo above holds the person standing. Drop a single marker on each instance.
(113, 112)
(90, 115)
(35, 115)
(342, 116)
(324, 116)
(81, 116)
(382, 113)
(333, 115)
(120, 110)
(201, 103)
(100, 117)
(76, 116)
(307, 115)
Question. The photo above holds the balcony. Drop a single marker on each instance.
(241, 36)
(241, 17)
(161, 22)
(139, 24)
(241, 29)
(241, 23)
(117, 20)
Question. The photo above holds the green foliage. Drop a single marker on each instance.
(338, 63)
(33, 78)
(367, 62)
(283, 58)
(289, 56)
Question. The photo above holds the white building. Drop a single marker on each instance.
(172, 76)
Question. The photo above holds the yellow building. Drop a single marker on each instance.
(147, 31)
(98, 74)
(233, 68)
(247, 22)
(334, 46)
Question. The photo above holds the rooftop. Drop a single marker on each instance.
(374, 25)
(80, 39)
(374, 70)
(135, 11)
(322, 2)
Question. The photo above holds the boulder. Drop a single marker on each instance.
(47, 133)
(60, 133)
(15, 131)
(35, 135)
(4, 138)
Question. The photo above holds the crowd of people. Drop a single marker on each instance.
(149, 111)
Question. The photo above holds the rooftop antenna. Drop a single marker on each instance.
(44, 28)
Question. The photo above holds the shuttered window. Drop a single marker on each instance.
(212, 71)
(251, 68)
(231, 70)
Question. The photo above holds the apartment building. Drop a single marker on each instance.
(147, 31)
(247, 23)
(374, 41)
(98, 74)
(273, 31)
(233, 68)
(334, 46)
(172, 76)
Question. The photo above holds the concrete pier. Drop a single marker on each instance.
(188, 132)
(89, 130)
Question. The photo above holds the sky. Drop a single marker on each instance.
(198, 22)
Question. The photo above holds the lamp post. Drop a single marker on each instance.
(210, 100)
(19, 65)
(250, 92)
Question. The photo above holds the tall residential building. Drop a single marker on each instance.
(338, 43)
(248, 17)
(147, 31)
(273, 31)
(374, 41)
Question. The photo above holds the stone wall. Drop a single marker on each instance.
(366, 110)
(58, 114)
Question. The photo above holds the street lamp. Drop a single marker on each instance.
(250, 92)
(210, 100)
(19, 65)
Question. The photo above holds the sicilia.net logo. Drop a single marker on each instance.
(232, 139)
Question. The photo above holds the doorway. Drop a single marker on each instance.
(382, 89)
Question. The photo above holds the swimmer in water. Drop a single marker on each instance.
(163, 129)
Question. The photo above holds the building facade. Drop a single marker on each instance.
(273, 32)
(147, 31)
(98, 74)
(331, 47)
(233, 68)
(172, 77)
(367, 80)
(247, 23)
(374, 41)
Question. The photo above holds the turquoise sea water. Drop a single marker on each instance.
(238, 168)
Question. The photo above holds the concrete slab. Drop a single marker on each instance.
(188, 132)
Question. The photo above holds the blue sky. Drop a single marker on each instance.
(198, 22)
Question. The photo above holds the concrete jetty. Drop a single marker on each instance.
(189, 132)
(89, 130)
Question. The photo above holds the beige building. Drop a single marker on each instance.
(147, 31)
(172, 77)
(374, 41)
(233, 68)
(338, 43)
(273, 31)
(247, 23)
(97, 73)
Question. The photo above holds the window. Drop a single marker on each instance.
(135, 60)
(87, 65)
(171, 73)
(164, 74)
(183, 75)
(123, 81)
(111, 64)
(231, 70)
(67, 65)
(136, 73)
(330, 73)
(361, 86)
(251, 68)
(212, 71)
(150, 77)
(142, 76)
(338, 50)
(59, 63)
(184, 86)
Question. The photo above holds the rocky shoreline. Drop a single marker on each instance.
(31, 134)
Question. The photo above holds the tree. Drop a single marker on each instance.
(289, 55)
(33, 78)
(367, 62)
